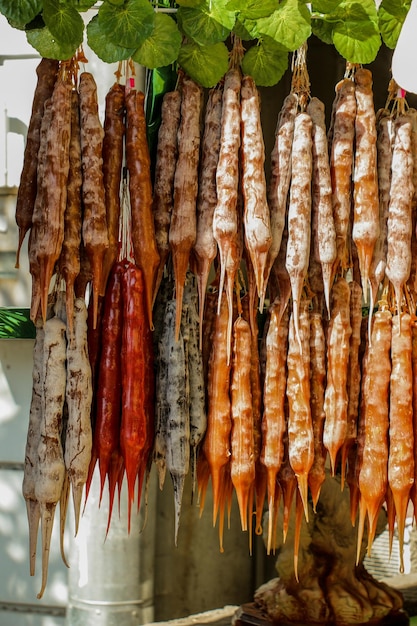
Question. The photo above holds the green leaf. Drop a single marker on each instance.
(289, 25)
(245, 29)
(323, 30)
(357, 45)
(356, 36)
(252, 9)
(357, 10)
(83, 5)
(266, 63)
(127, 26)
(16, 324)
(391, 17)
(16, 25)
(205, 64)
(325, 6)
(64, 22)
(47, 45)
(207, 24)
(100, 44)
(162, 47)
(20, 11)
(190, 3)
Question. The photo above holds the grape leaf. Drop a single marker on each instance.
(356, 35)
(325, 6)
(99, 43)
(64, 22)
(20, 26)
(205, 64)
(323, 30)
(20, 11)
(391, 17)
(47, 45)
(266, 63)
(208, 23)
(162, 46)
(127, 26)
(244, 29)
(83, 5)
(357, 11)
(190, 3)
(252, 9)
(289, 25)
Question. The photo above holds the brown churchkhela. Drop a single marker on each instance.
(373, 474)
(163, 189)
(69, 260)
(280, 178)
(401, 446)
(32, 244)
(26, 195)
(384, 124)
(256, 218)
(225, 218)
(365, 226)
(273, 420)
(256, 391)
(114, 131)
(317, 472)
(399, 226)
(183, 229)
(140, 189)
(300, 426)
(205, 248)
(216, 445)
(323, 231)
(336, 399)
(166, 162)
(242, 463)
(48, 217)
(94, 229)
(354, 373)
(341, 163)
(299, 210)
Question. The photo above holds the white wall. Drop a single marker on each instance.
(17, 80)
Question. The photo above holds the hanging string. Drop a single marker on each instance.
(125, 228)
(396, 100)
(300, 83)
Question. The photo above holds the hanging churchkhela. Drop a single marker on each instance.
(146, 290)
